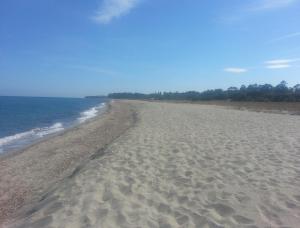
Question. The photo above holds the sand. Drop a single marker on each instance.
(291, 108)
(184, 165)
(26, 175)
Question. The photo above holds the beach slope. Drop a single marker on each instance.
(184, 165)
(25, 176)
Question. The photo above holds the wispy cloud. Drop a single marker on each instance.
(288, 36)
(270, 4)
(280, 63)
(235, 70)
(278, 66)
(93, 69)
(270, 64)
(112, 9)
(246, 10)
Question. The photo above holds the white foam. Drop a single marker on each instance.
(90, 113)
(37, 133)
(50, 130)
(9, 139)
(33, 134)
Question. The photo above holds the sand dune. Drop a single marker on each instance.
(185, 165)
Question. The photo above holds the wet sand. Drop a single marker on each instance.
(184, 165)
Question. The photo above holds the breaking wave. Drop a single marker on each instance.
(29, 136)
(25, 138)
(90, 113)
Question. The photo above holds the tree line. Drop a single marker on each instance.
(254, 92)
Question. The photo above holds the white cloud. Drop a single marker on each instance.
(92, 69)
(235, 70)
(278, 66)
(280, 63)
(271, 4)
(112, 9)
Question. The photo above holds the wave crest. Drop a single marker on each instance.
(90, 113)
(24, 138)
(30, 135)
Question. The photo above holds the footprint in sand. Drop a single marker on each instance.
(183, 219)
(121, 220)
(175, 151)
(242, 220)
(297, 197)
(223, 210)
(212, 196)
(290, 205)
(53, 208)
(101, 213)
(210, 179)
(164, 208)
(124, 189)
(269, 216)
(164, 224)
(182, 199)
(188, 173)
(44, 222)
(242, 198)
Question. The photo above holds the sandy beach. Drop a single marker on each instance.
(27, 175)
(149, 164)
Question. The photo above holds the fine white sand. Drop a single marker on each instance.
(185, 165)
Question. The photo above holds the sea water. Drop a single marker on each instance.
(25, 120)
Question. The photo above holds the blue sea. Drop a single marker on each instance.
(24, 120)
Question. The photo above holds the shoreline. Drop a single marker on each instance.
(71, 126)
(27, 174)
(183, 165)
(6, 154)
(172, 165)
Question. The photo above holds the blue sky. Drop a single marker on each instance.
(78, 48)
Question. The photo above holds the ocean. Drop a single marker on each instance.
(25, 120)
